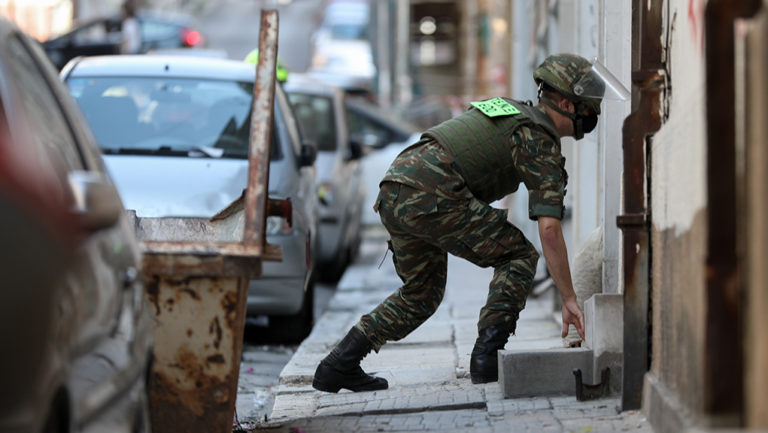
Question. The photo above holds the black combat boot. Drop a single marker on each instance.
(341, 368)
(484, 365)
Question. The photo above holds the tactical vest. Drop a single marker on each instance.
(481, 146)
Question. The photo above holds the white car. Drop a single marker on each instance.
(384, 136)
(321, 111)
(341, 46)
(175, 134)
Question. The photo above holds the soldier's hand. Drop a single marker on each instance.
(572, 316)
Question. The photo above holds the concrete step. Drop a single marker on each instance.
(542, 372)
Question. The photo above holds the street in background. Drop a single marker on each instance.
(103, 36)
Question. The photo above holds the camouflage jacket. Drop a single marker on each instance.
(490, 157)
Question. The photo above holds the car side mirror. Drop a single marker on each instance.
(97, 203)
(372, 140)
(355, 148)
(308, 154)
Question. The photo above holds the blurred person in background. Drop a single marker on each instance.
(130, 30)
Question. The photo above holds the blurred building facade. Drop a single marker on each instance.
(675, 178)
(39, 18)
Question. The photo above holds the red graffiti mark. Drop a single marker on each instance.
(695, 17)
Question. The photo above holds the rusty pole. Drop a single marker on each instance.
(645, 119)
(261, 132)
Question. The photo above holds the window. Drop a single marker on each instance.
(167, 116)
(316, 119)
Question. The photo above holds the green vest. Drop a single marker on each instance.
(481, 147)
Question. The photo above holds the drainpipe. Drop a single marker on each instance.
(639, 126)
(723, 354)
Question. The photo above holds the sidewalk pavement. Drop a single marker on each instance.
(428, 371)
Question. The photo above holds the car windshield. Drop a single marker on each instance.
(316, 119)
(347, 20)
(197, 117)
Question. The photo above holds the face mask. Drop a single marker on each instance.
(589, 123)
(583, 125)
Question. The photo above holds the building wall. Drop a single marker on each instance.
(41, 19)
(678, 207)
(755, 92)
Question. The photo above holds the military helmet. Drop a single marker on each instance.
(562, 72)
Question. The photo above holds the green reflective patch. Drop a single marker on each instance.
(495, 107)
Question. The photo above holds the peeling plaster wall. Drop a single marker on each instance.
(678, 212)
(756, 213)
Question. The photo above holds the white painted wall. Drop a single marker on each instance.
(591, 28)
(614, 50)
(678, 185)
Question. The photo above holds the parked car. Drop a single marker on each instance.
(76, 330)
(175, 134)
(102, 36)
(321, 111)
(341, 47)
(384, 136)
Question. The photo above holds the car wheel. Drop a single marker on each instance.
(333, 271)
(295, 327)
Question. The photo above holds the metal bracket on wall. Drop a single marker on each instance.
(636, 221)
(586, 392)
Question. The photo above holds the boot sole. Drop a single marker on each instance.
(321, 386)
(483, 379)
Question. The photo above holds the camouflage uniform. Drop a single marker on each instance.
(429, 210)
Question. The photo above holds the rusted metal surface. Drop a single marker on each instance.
(198, 341)
(197, 273)
(281, 208)
(261, 130)
(723, 367)
(645, 119)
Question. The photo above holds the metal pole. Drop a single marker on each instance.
(261, 132)
(383, 46)
(402, 48)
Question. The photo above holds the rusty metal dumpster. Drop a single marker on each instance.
(197, 273)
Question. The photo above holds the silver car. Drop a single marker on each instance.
(321, 112)
(75, 329)
(175, 133)
(384, 135)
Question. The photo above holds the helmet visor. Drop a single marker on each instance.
(599, 82)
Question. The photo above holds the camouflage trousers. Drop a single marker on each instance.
(423, 228)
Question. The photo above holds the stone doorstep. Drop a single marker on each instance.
(543, 372)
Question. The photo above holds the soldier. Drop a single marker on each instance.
(434, 200)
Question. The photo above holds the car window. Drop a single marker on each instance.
(363, 127)
(316, 119)
(155, 30)
(347, 20)
(167, 116)
(98, 32)
(41, 112)
(288, 121)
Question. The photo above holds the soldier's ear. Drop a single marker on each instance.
(566, 105)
